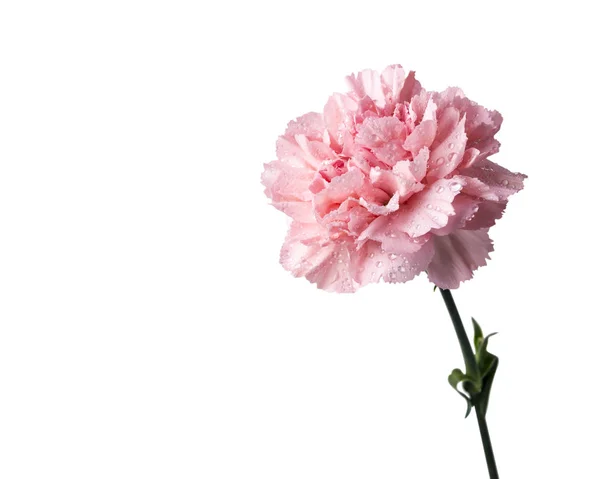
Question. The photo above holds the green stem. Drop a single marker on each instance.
(487, 443)
(472, 370)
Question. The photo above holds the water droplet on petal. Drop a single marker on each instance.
(371, 255)
(455, 186)
(402, 269)
(392, 276)
(451, 146)
(392, 256)
(340, 260)
(439, 161)
(439, 189)
(451, 157)
(429, 206)
(379, 264)
(504, 182)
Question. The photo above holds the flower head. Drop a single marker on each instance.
(389, 181)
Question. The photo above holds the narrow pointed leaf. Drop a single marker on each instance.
(486, 389)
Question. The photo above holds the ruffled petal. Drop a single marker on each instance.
(378, 132)
(421, 137)
(449, 153)
(465, 208)
(307, 252)
(374, 262)
(501, 181)
(392, 81)
(333, 272)
(284, 182)
(382, 210)
(338, 116)
(430, 208)
(310, 125)
(457, 255)
(367, 83)
(340, 188)
(487, 214)
(388, 232)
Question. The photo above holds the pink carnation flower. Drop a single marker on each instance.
(389, 181)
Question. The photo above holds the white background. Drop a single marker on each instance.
(146, 327)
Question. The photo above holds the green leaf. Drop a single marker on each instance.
(477, 336)
(486, 388)
(455, 378)
(487, 364)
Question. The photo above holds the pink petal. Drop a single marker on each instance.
(418, 166)
(338, 116)
(288, 151)
(449, 153)
(470, 157)
(410, 88)
(501, 181)
(298, 210)
(391, 206)
(421, 137)
(306, 252)
(359, 219)
(448, 97)
(392, 81)
(447, 122)
(284, 182)
(310, 125)
(487, 215)
(340, 188)
(477, 188)
(387, 230)
(377, 132)
(465, 208)
(457, 256)
(305, 146)
(367, 83)
(430, 208)
(373, 262)
(333, 273)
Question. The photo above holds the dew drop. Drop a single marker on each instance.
(439, 189)
(379, 264)
(504, 182)
(392, 276)
(455, 186)
(371, 255)
(451, 146)
(451, 157)
(392, 256)
(429, 206)
(439, 161)
(340, 261)
(435, 218)
(402, 269)
(417, 227)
